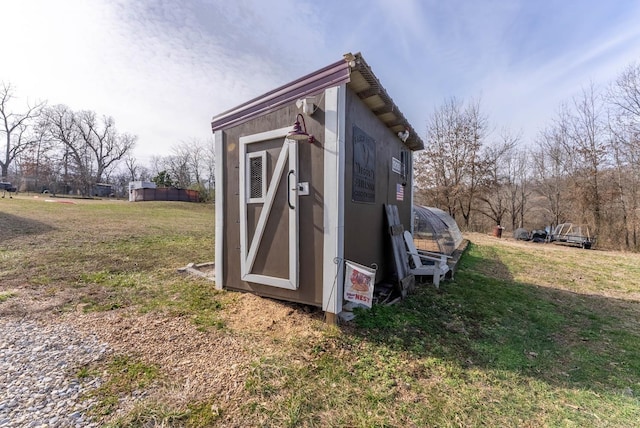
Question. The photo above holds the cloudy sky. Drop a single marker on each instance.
(164, 68)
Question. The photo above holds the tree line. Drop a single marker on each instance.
(583, 167)
(58, 150)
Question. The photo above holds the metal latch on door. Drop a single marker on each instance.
(303, 188)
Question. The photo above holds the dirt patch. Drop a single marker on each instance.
(210, 365)
(34, 302)
(253, 315)
(197, 365)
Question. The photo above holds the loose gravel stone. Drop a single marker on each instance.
(38, 374)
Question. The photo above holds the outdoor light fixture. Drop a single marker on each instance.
(297, 132)
(308, 105)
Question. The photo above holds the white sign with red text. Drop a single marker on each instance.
(359, 283)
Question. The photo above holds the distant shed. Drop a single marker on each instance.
(294, 202)
(147, 191)
(136, 186)
(102, 190)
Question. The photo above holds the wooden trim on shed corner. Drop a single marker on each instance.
(219, 209)
(333, 225)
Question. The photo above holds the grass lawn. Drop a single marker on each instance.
(526, 335)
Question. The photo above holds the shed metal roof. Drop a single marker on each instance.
(352, 70)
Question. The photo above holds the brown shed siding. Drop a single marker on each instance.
(310, 167)
(363, 221)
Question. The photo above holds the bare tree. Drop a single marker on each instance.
(179, 166)
(625, 92)
(60, 125)
(132, 168)
(196, 159)
(552, 168)
(475, 131)
(36, 164)
(100, 137)
(16, 127)
(625, 179)
(588, 145)
(624, 127)
(496, 191)
(135, 171)
(156, 164)
(189, 163)
(519, 186)
(92, 146)
(210, 165)
(448, 171)
(439, 168)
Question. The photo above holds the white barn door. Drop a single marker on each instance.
(269, 209)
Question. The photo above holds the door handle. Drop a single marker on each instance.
(291, 172)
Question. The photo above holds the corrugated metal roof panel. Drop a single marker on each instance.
(358, 82)
(373, 85)
(388, 117)
(374, 103)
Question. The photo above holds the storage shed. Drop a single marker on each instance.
(303, 176)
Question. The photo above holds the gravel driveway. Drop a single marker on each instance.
(39, 364)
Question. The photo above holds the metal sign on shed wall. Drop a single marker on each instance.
(364, 167)
(396, 166)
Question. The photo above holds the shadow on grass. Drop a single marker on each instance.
(564, 338)
(12, 226)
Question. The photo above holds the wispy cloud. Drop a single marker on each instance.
(526, 91)
(163, 68)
